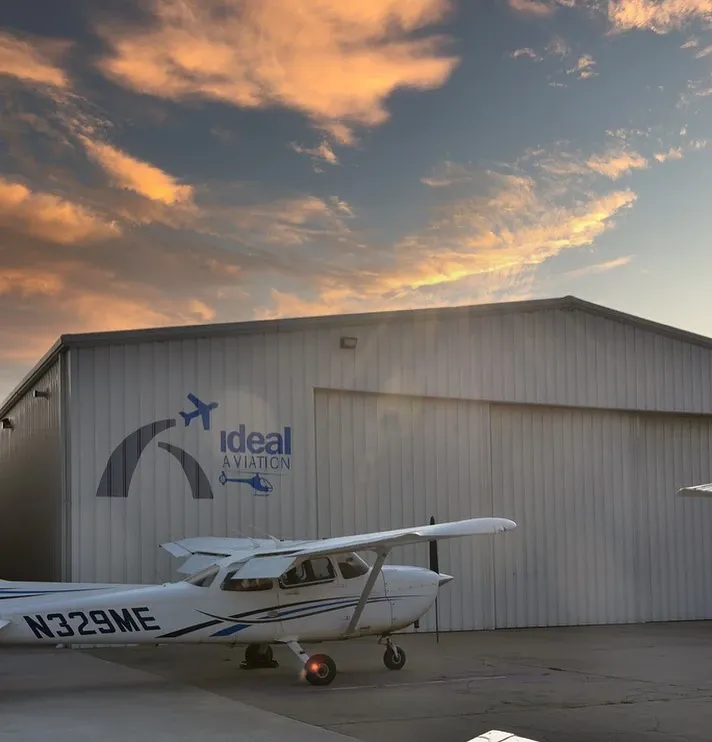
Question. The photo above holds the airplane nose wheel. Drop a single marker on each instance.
(393, 657)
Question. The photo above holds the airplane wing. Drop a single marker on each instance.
(697, 490)
(261, 557)
(386, 540)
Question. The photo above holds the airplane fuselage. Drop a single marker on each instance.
(217, 612)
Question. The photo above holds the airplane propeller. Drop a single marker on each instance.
(434, 565)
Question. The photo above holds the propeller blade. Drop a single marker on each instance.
(435, 567)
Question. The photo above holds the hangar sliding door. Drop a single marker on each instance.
(386, 461)
(675, 533)
(568, 478)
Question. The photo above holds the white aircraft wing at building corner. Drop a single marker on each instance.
(697, 490)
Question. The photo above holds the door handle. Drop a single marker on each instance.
(272, 614)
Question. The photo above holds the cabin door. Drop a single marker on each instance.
(312, 601)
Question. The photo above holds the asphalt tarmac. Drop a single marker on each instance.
(644, 683)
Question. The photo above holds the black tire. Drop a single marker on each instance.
(391, 661)
(320, 669)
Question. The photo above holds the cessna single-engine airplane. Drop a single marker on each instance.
(254, 592)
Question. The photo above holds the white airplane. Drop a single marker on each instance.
(254, 592)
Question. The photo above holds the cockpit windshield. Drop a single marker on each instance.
(352, 565)
(203, 578)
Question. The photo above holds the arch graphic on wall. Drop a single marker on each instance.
(116, 479)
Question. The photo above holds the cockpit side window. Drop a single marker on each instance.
(351, 566)
(233, 584)
(310, 572)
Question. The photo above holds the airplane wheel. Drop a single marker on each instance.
(391, 661)
(320, 669)
(255, 658)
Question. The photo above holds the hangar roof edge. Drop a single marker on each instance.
(294, 324)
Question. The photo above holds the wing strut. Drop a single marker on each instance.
(375, 571)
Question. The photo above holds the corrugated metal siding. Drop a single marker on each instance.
(386, 462)
(674, 533)
(602, 537)
(119, 389)
(552, 357)
(31, 485)
(567, 477)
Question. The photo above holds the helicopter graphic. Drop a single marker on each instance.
(260, 484)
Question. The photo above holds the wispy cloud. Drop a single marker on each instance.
(48, 217)
(584, 67)
(527, 52)
(674, 153)
(596, 268)
(447, 174)
(33, 59)
(336, 62)
(135, 175)
(535, 8)
(477, 245)
(616, 162)
(656, 15)
(322, 153)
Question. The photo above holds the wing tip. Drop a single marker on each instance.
(695, 490)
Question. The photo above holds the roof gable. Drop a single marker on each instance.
(163, 334)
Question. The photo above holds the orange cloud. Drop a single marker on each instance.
(336, 62)
(485, 244)
(655, 15)
(135, 175)
(607, 265)
(323, 152)
(76, 296)
(48, 217)
(584, 67)
(674, 153)
(537, 8)
(617, 163)
(95, 310)
(29, 283)
(33, 59)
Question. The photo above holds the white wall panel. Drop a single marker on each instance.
(31, 485)
(676, 545)
(387, 462)
(568, 478)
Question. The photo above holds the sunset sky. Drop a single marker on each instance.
(183, 161)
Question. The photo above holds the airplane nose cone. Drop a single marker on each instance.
(443, 578)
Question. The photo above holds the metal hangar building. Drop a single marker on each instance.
(575, 420)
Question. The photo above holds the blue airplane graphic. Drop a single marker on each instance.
(257, 482)
(202, 409)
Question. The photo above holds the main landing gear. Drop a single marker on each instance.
(320, 669)
(258, 656)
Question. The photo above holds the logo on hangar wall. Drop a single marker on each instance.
(250, 458)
